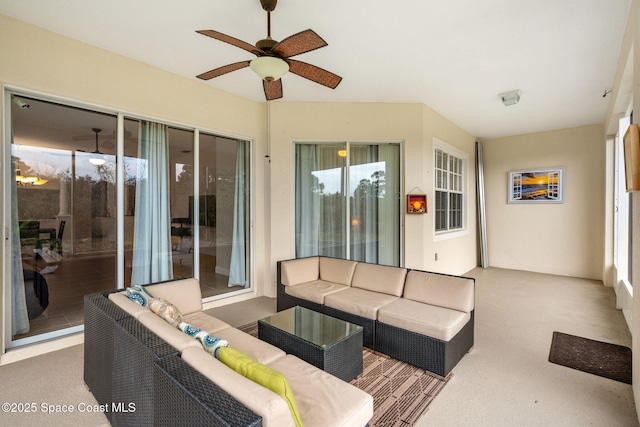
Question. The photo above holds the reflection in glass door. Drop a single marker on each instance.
(64, 206)
(224, 215)
(348, 201)
(63, 198)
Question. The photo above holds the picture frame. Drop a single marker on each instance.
(416, 203)
(632, 157)
(536, 186)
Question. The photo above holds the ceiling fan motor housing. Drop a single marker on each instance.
(269, 5)
(266, 45)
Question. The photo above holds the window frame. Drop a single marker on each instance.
(450, 150)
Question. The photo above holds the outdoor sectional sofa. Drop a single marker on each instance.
(422, 318)
(144, 371)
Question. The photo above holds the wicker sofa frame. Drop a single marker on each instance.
(141, 379)
(425, 352)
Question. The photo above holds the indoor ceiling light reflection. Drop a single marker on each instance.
(97, 161)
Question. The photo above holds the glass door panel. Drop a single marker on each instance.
(223, 215)
(321, 210)
(374, 191)
(64, 208)
(181, 161)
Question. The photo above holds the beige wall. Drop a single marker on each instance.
(566, 238)
(413, 125)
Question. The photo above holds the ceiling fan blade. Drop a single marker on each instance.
(313, 73)
(272, 89)
(302, 42)
(223, 70)
(232, 41)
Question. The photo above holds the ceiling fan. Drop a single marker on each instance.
(274, 58)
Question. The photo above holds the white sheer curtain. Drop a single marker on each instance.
(307, 201)
(152, 232)
(375, 210)
(238, 269)
(389, 207)
(19, 314)
(374, 202)
(320, 204)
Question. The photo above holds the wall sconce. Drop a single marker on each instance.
(342, 153)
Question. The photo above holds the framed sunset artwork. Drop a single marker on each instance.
(416, 203)
(536, 186)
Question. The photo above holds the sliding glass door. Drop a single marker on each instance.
(347, 199)
(90, 191)
(224, 214)
(62, 196)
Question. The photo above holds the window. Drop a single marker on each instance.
(347, 199)
(450, 174)
(623, 221)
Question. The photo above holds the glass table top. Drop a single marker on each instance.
(316, 328)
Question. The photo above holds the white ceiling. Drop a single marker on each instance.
(455, 56)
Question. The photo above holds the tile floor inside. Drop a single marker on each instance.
(74, 277)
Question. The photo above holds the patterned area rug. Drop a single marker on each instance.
(595, 357)
(401, 392)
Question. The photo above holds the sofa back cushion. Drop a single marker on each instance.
(336, 270)
(122, 300)
(452, 292)
(379, 278)
(185, 294)
(297, 271)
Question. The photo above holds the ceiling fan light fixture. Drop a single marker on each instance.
(269, 68)
(97, 161)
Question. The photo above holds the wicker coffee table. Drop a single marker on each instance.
(330, 344)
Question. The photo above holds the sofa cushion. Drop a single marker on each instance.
(323, 399)
(205, 321)
(297, 271)
(165, 310)
(436, 322)
(314, 291)
(360, 302)
(176, 338)
(271, 407)
(183, 293)
(255, 348)
(122, 300)
(441, 290)
(379, 278)
(335, 270)
(263, 375)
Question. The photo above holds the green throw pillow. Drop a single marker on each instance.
(261, 374)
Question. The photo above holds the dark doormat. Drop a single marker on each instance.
(595, 357)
